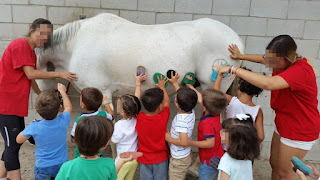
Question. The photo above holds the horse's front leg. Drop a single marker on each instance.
(108, 99)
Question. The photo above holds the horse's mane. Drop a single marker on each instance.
(63, 34)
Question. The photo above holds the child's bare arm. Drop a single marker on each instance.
(174, 80)
(259, 125)
(21, 139)
(198, 93)
(66, 101)
(107, 106)
(217, 86)
(182, 141)
(224, 176)
(161, 85)
(139, 80)
(121, 162)
(208, 143)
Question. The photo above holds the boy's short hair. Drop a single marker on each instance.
(215, 101)
(92, 133)
(187, 99)
(48, 104)
(92, 98)
(152, 98)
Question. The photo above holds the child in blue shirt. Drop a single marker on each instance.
(50, 133)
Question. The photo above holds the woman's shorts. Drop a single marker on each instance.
(304, 145)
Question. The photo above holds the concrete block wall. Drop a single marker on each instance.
(256, 21)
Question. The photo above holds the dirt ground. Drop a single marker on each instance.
(261, 169)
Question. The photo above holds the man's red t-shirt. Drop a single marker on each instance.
(297, 115)
(210, 127)
(14, 84)
(151, 135)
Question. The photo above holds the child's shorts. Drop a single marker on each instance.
(304, 145)
(207, 172)
(46, 173)
(157, 171)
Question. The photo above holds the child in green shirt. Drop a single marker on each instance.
(91, 136)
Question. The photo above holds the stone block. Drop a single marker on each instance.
(63, 15)
(83, 3)
(231, 7)
(12, 31)
(270, 8)
(5, 13)
(224, 19)
(163, 18)
(257, 45)
(3, 46)
(48, 2)
(119, 4)
(264, 99)
(306, 10)
(308, 48)
(244, 39)
(268, 116)
(311, 30)
(156, 5)
(14, 1)
(139, 17)
(27, 14)
(249, 25)
(268, 132)
(294, 28)
(313, 154)
(90, 12)
(265, 150)
(193, 6)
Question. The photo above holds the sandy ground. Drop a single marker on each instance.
(262, 169)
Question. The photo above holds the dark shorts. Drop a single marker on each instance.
(10, 127)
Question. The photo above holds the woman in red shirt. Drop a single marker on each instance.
(18, 72)
(293, 98)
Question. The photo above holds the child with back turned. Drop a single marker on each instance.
(243, 103)
(151, 128)
(92, 135)
(181, 130)
(50, 133)
(243, 147)
(90, 101)
(213, 102)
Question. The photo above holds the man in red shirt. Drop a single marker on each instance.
(17, 74)
(151, 128)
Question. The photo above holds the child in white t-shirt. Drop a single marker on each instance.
(181, 130)
(125, 135)
(243, 147)
(243, 103)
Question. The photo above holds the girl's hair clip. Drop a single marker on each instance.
(242, 117)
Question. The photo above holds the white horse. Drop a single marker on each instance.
(105, 50)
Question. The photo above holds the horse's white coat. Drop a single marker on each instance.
(105, 50)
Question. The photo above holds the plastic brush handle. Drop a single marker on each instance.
(301, 166)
